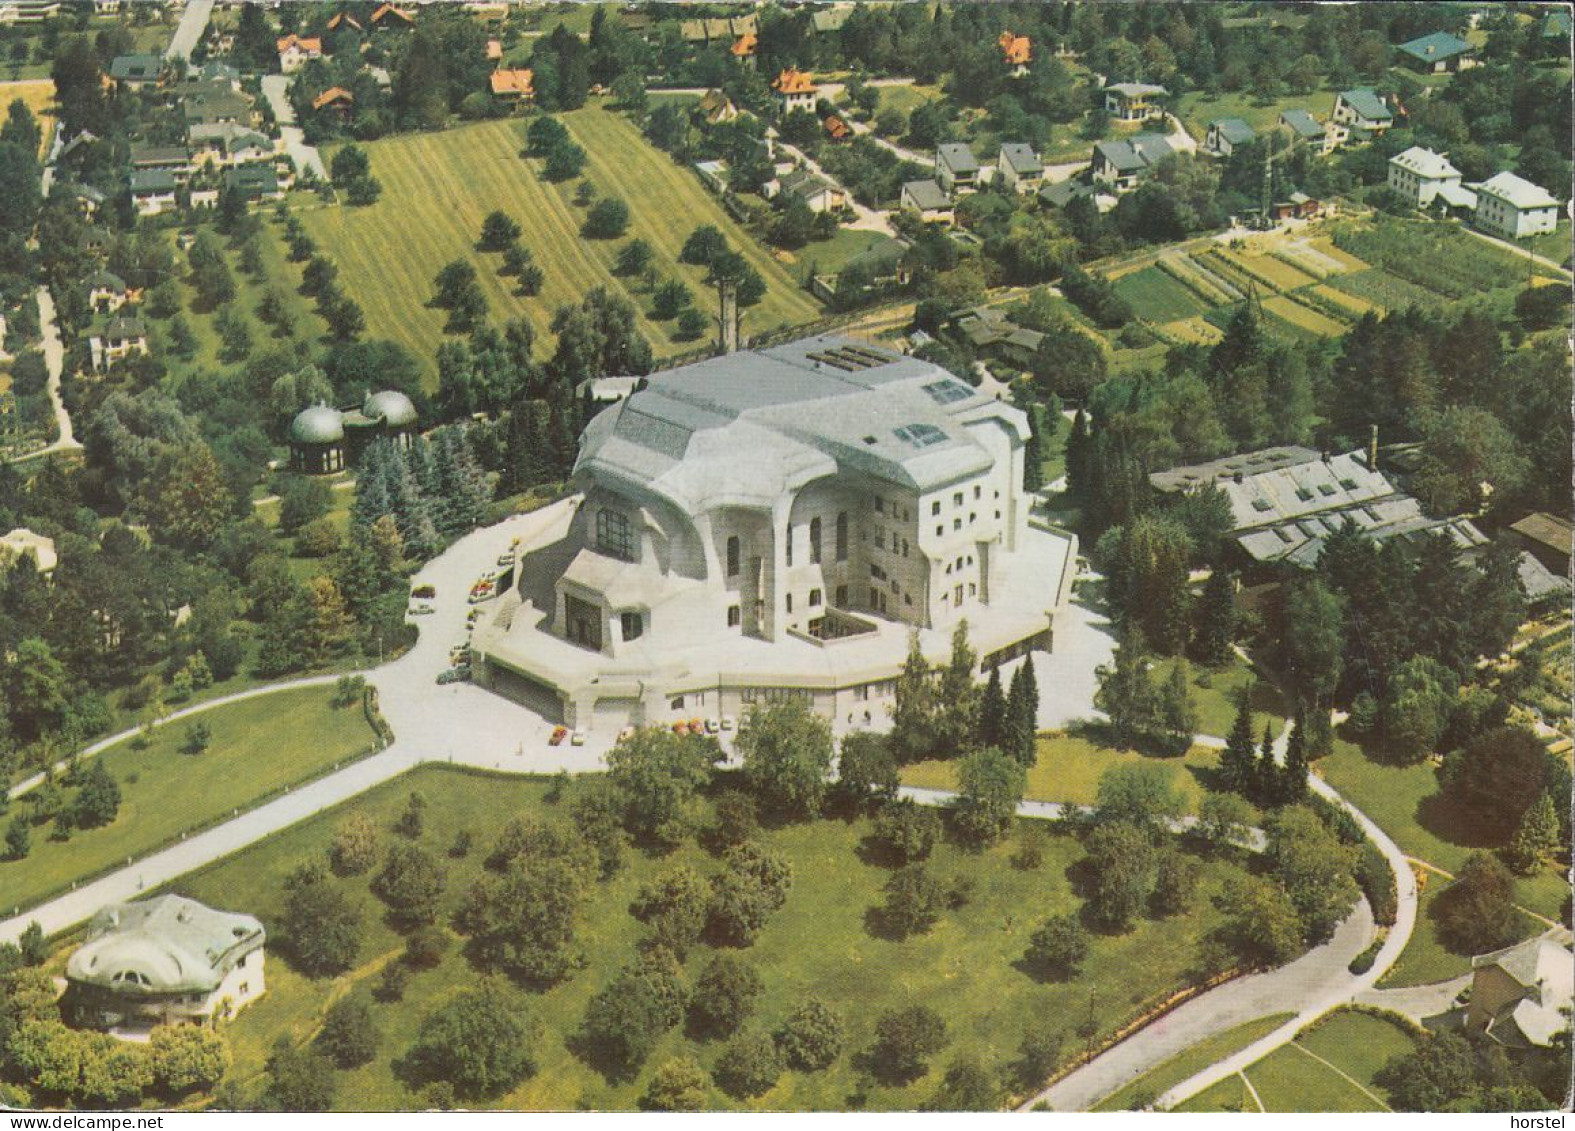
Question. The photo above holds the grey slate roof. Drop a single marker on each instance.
(1022, 158)
(957, 157)
(152, 180)
(135, 68)
(120, 329)
(803, 183)
(1135, 154)
(1301, 123)
(106, 280)
(1516, 191)
(1367, 103)
(152, 156)
(926, 195)
(1234, 130)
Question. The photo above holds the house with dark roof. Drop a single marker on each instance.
(715, 107)
(153, 191)
(106, 291)
(1225, 134)
(819, 193)
(172, 159)
(1362, 112)
(136, 70)
(255, 182)
(228, 143)
(211, 103)
(1018, 167)
(929, 200)
(121, 338)
(1438, 53)
(1547, 537)
(1305, 128)
(1521, 995)
(1134, 101)
(1121, 164)
(956, 168)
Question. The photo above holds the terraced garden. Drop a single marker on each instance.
(438, 187)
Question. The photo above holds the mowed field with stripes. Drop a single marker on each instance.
(438, 187)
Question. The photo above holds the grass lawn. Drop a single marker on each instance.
(1426, 959)
(438, 187)
(831, 256)
(1156, 297)
(277, 274)
(907, 97)
(39, 97)
(258, 746)
(1069, 767)
(1197, 110)
(1190, 1062)
(818, 943)
(1294, 1078)
(1554, 245)
(1216, 692)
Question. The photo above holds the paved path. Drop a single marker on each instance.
(275, 88)
(188, 33)
(1417, 1002)
(54, 361)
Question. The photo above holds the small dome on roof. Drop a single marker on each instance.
(317, 424)
(390, 406)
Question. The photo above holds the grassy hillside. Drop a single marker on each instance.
(438, 187)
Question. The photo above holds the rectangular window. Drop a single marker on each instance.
(935, 508)
(787, 545)
(790, 602)
(735, 616)
(880, 505)
(973, 590)
(633, 625)
(956, 524)
(874, 596)
(957, 499)
(676, 704)
(895, 541)
(842, 596)
(814, 598)
(940, 530)
(957, 595)
(612, 535)
(977, 491)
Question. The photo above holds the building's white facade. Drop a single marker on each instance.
(777, 523)
(1418, 174)
(1512, 207)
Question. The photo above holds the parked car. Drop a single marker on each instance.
(425, 592)
(727, 722)
(558, 735)
(422, 610)
(577, 738)
(681, 727)
(712, 726)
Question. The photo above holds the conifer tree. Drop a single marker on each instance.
(1078, 451)
(1293, 778)
(1178, 718)
(991, 728)
(1017, 733)
(957, 697)
(1126, 693)
(1536, 838)
(912, 730)
(1033, 456)
(1266, 787)
(1239, 760)
(1216, 619)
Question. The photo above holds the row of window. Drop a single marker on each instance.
(735, 548)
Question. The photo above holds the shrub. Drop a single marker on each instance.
(749, 1066)
(607, 219)
(811, 1036)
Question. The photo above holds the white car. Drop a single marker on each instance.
(727, 722)
(577, 738)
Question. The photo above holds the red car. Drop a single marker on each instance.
(558, 735)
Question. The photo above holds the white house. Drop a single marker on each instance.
(956, 168)
(1520, 996)
(1363, 112)
(1134, 101)
(795, 90)
(1512, 207)
(168, 960)
(1225, 134)
(773, 525)
(1018, 167)
(1420, 174)
(929, 200)
(1121, 164)
(106, 291)
(295, 51)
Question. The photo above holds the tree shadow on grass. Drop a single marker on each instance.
(600, 1058)
(1457, 824)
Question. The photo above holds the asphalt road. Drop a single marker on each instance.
(275, 88)
(188, 33)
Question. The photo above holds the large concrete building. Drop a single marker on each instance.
(772, 524)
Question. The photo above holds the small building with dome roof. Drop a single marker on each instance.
(168, 960)
(325, 440)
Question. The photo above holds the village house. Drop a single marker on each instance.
(1018, 167)
(389, 18)
(172, 159)
(929, 200)
(295, 51)
(1121, 164)
(120, 339)
(106, 291)
(153, 191)
(227, 143)
(1363, 113)
(1546, 537)
(164, 961)
(22, 544)
(254, 182)
(515, 86)
(1062, 193)
(1512, 207)
(1297, 206)
(956, 168)
(1437, 54)
(1134, 101)
(344, 20)
(772, 525)
(335, 100)
(836, 129)
(1307, 130)
(88, 199)
(136, 70)
(212, 103)
(992, 332)
(820, 194)
(1225, 134)
(1419, 175)
(1017, 51)
(715, 108)
(1521, 995)
(744, 48)
(795, 90)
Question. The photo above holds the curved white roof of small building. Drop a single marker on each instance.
(160, 946)
(392, 407)
(317, 424)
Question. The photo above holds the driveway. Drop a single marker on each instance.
(188, 33)
(54, 361)
(868, 219)
(275, 88)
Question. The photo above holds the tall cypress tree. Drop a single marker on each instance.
(1216, 620)
(913, 722)
(991, 730)
(1018, 737)
(1268, 783)
(1033, 454)
(1293, 778)
(1238, 763)
(1078, 444)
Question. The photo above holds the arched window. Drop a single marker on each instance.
(842, 536)
(732, 556)
(814, 540)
